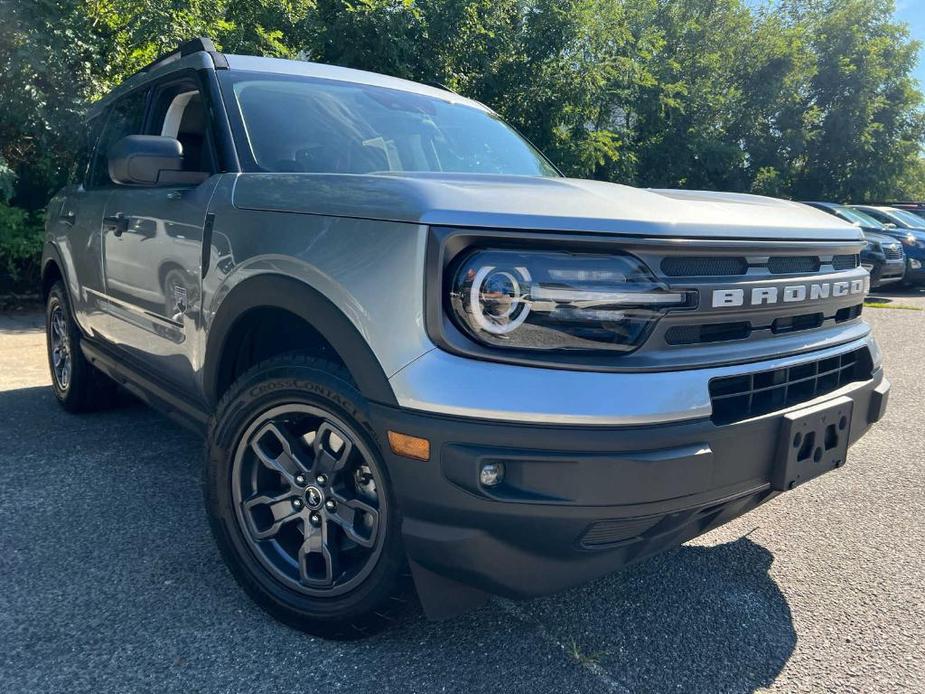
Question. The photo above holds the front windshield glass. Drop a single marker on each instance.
(322, 126)
(857, 217)
(909, 219)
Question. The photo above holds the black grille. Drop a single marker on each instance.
(704, 266)
(793, 264)
(735, 398)
(892, 252)
(715, 332)
(792, 324)
(846, 262)
(848, 313)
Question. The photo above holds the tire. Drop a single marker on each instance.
(330, 561)
(77, 384)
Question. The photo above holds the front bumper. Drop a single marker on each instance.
(885, 271)
(579, 502)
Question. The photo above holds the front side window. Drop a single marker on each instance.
(857, 217)
(913, 221)
(178, 111)
(126, 117)
(322, 126)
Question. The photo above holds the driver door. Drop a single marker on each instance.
(152, 241)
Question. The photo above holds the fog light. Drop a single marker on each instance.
(915, 264)
(492, 474)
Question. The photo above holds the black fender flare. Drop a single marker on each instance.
(299, 298)
(50, 254)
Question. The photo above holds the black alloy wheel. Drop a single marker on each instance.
(304, 488)
(77, 384)
(300, 501)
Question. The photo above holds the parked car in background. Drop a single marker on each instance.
(883, 256)
(916, 208)
(908, 228)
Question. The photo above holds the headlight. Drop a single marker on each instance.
(558, 301)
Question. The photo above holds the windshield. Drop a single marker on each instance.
(320, 126)
(908, 219)
(857, 217)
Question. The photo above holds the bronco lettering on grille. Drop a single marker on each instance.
(791, 293)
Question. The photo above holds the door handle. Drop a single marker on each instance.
(117, 224)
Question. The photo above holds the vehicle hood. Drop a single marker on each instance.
(534, 203)
(880, 237)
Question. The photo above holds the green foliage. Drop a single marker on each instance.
(795, 98)
(20, 247)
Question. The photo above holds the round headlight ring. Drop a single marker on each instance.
(515, 310)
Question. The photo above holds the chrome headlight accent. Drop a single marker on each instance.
(551, 300)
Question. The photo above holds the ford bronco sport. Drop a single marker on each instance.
(423, 358)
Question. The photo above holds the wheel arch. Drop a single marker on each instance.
(275, 293)
(52, 270)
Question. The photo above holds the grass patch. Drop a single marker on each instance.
(902, 307)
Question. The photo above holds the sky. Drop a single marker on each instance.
(913, 13)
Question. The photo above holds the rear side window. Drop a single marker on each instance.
(125, 118)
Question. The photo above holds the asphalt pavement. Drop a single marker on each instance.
(109, 581)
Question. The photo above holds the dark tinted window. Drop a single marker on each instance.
(126, 117)
(321, 126)
(79, 169)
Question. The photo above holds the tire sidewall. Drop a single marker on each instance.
(57, 296)
(256, 392)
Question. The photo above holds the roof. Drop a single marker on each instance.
(304, 68)
(196, 54)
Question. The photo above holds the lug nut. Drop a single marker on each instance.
(300, 480)
(330, 504)
(297, 503)
(315, 519)
(321, 479)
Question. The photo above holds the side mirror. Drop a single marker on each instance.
(150, 160)
(889, 225)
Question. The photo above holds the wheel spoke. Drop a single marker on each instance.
(317, 545)
(280, 507)
(346, 515)
(332, 450)
(287, 462)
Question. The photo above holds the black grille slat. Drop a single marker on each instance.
(735, 398)
(736, 266)
(848, 313)
(846, 262)
(792, 324)
(711, 332)
(892, 252)
(793, 264)
(705, 266)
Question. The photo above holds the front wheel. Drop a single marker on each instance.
(300, 502)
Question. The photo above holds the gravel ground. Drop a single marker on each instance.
(109, 580)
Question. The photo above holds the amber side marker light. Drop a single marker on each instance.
(409, 446)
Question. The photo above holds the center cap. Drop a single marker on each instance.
(313, 498)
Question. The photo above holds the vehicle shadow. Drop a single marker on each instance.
(896, 291)
(116, 585)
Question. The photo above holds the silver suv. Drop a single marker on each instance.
(420, 356)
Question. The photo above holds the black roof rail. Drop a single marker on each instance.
(200, 44)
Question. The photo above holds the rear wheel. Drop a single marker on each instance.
(77, 384)
(300, 501)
